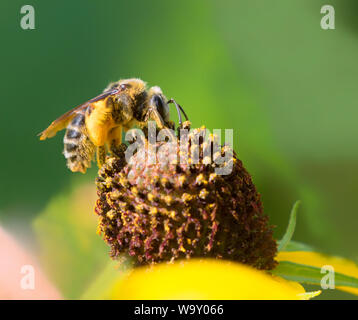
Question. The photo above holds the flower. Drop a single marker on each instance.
(181, 209)
(205, 279)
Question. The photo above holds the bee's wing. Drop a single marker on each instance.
(62, 122)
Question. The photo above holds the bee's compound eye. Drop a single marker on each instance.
(112, 87)
(162, 107)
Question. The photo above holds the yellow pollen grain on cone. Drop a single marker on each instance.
(99, 230)
(110, 214)
(207, 160)
(206, 279)
(108, 181)
(168, 200)
(203, 193)
(122, 204)
(186, 197)
(166, 226)
(212, 177)
(200, 179)
(139, 208)
(164, 181)
(123, 182)
(115, 194)
(182, 179)
(150, 197)
(189, 206)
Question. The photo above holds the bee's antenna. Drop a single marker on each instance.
(179, 108)
(178, 111)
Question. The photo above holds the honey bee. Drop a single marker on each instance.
(96, 125)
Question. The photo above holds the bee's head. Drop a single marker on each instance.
(134, 92)
(158, 100)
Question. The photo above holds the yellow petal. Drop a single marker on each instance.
(203, 279)
(340, 265)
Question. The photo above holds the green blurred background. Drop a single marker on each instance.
(264, 68)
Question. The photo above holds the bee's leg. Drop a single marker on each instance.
(101, 156)
(115, 145)
(115, 141)
(156, 111)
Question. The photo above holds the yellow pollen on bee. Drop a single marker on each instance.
(150, 197)
(134, 190)
(139, 208)
(153, 211)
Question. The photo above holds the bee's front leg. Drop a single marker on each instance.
(155, 116)
(101, 156)
(115, 145)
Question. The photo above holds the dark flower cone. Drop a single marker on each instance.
(166, 211)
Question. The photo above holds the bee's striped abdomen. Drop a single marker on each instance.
(73, 136)
(78, 149)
